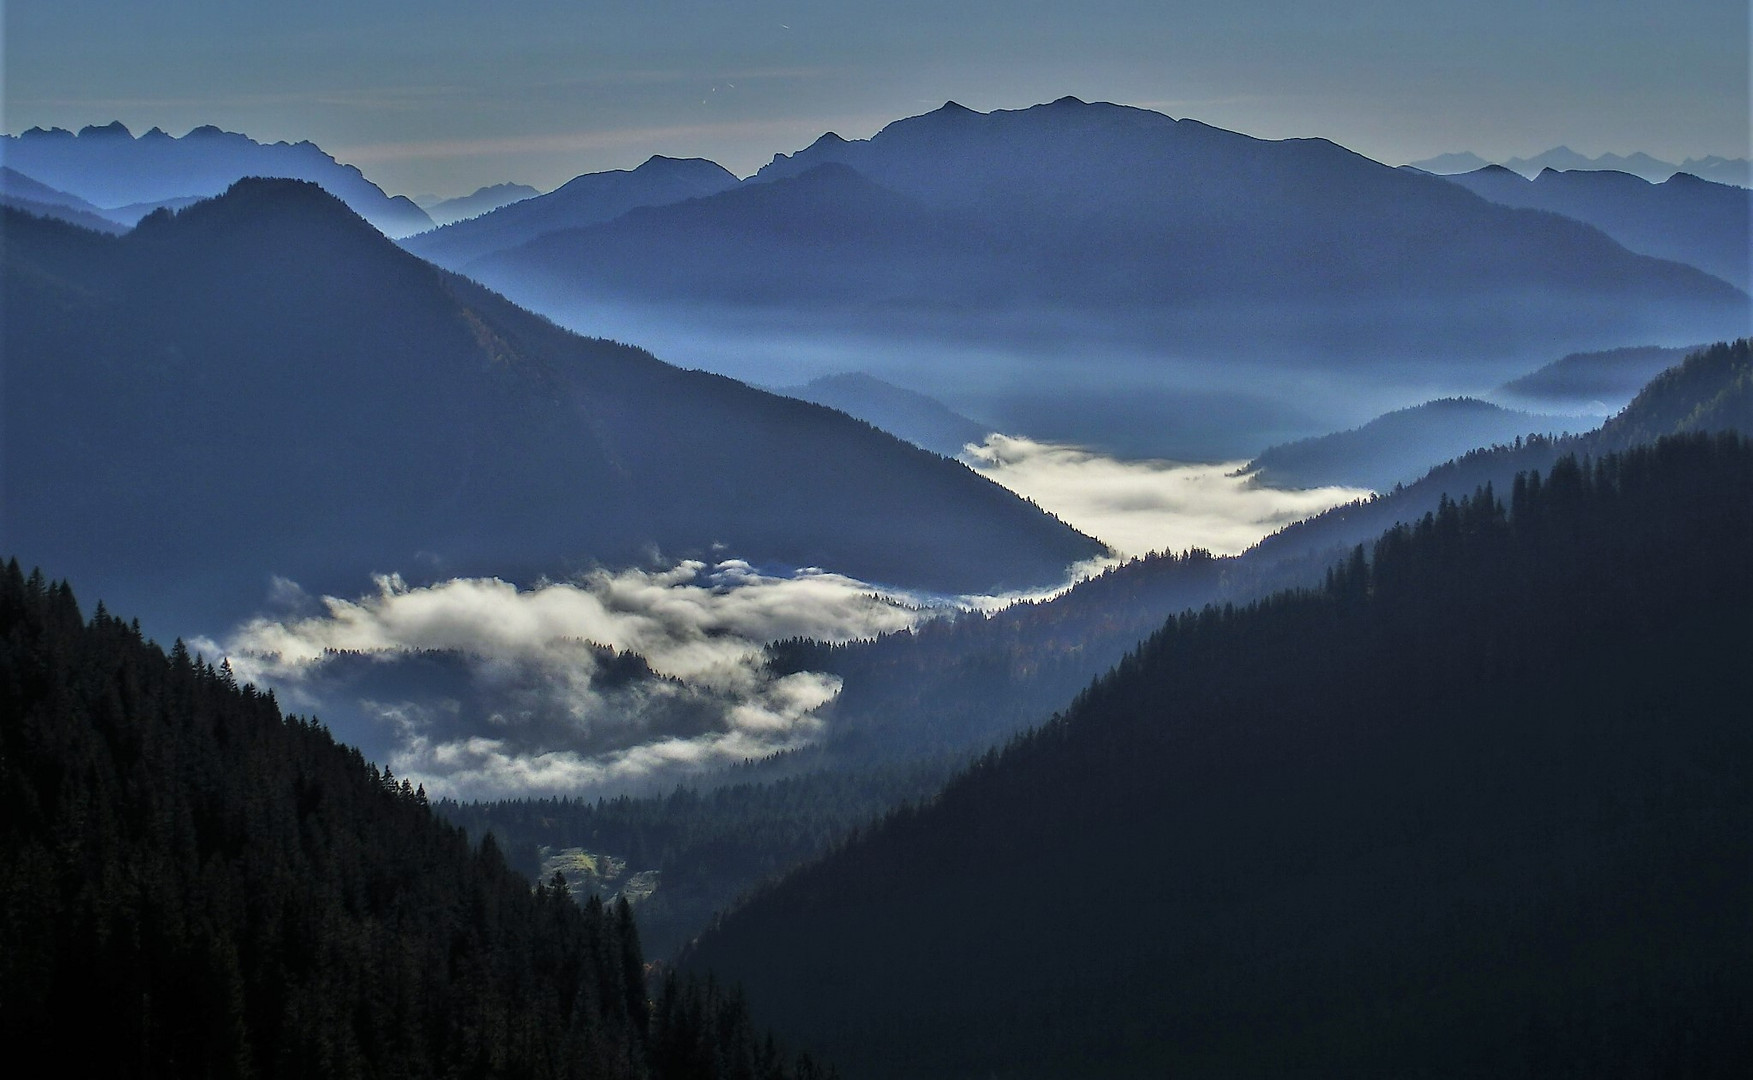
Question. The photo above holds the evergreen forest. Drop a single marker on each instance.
(1475, 806)
(193, 884)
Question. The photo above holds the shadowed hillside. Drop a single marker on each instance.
(225, 891)
(1476, 807)
(263, 385)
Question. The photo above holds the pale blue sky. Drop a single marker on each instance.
(446, 95)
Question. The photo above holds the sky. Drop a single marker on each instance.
(443, 96)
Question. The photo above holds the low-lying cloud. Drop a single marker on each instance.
(631, 680)
(1136, 507)
(616, 681)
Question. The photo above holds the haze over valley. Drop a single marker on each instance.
(737, 542)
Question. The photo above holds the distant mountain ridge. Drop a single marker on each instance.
(1682, 218)
(1125, 214)
(32, 197)
(1400, 446)
(1715, 168)
(1600, 380)
(263, 384)
(921, 420)
(481, 201)
(584, 200)
(112, 168)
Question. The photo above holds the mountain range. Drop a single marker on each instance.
(1098, 207)
(128, 176)
(266, 375)
(1083, 271)
(1563, 159)
(1400, 446)
(584, 200)
(1683, 218)
(481, 201)
(1445, 781)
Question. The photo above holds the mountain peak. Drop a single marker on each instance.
(955, 108)
(257, 202)
(113, 129)
(662, 163)
(1498, 171)
(1067, 101)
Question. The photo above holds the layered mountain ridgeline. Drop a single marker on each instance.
(1172, 225)
(915, 706)
(960, 685)
(22, 193)
(1711, 391)
(1476, 807)
(1400, 446)
(1683, 218)
(131, 176)
(584, 200)
(221, 890)
(1713, 167)
(481, 201)
(920, 419)
(1593, 380)
(263, 385)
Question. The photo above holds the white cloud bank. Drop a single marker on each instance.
(634, 679)
(483, 689)
(1137, 507)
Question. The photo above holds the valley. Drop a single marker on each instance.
(1039, 587)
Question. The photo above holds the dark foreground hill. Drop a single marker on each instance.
(192, 884)
(263, 385)
(1478, 807)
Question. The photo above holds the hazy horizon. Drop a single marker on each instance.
(444, 98)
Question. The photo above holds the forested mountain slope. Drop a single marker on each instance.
(1476, 807)
(192, 884)
(914, 706)
(263, 385)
